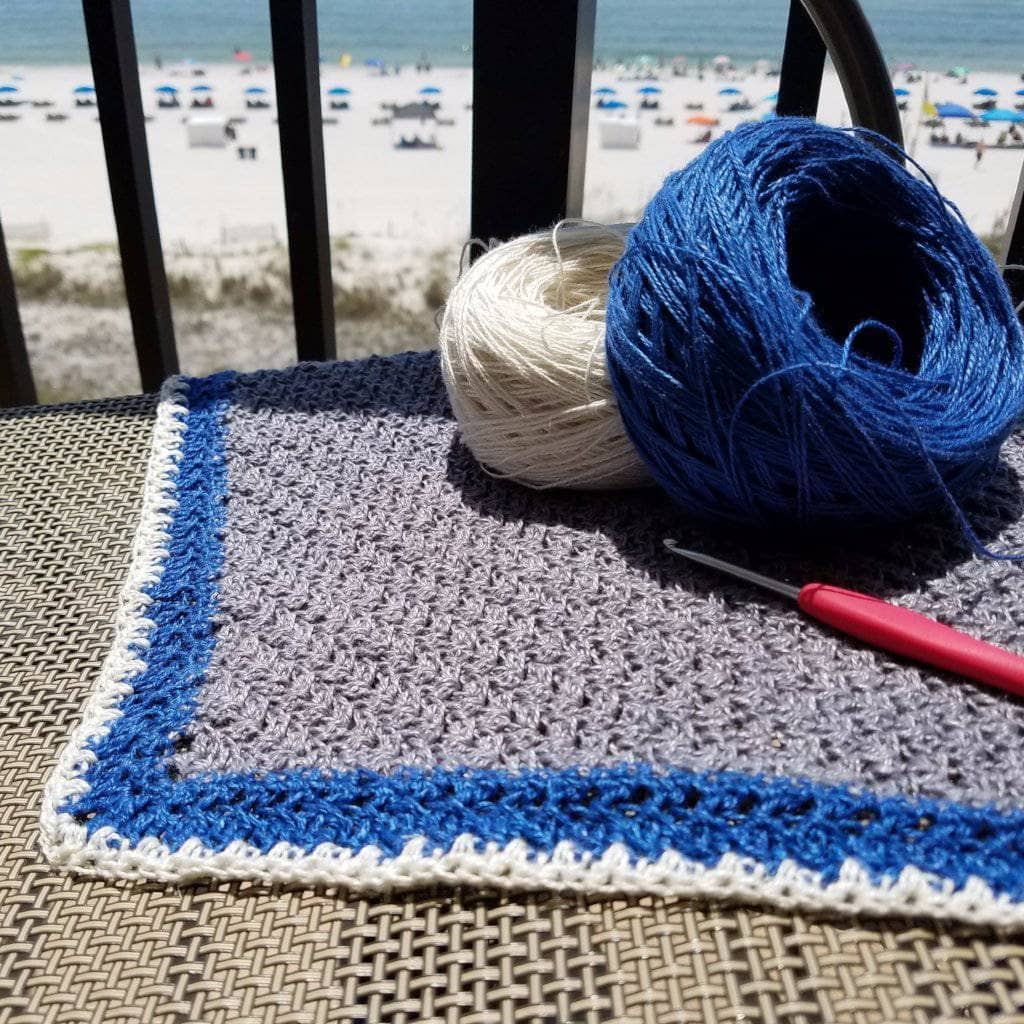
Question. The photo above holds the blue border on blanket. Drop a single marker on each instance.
(701, 816)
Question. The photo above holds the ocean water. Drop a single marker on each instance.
(934, 33)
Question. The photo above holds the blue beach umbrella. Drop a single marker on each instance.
(649, 90)
(901, 92)
(374, 62)
(81, 90)
(168, 90)
(772, 97)
(1008, 116)
(255, 90)
(1019, 92)
(8, 88)
(430, 90)
(985, 91)
(202, 88)
(729, 90)
(339, 90)
(605, 90)
(952, 110)
(615, 105)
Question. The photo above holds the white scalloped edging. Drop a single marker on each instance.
(66, 842)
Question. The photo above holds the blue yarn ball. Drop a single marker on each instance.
(802, 334)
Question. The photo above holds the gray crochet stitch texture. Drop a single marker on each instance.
(384, 602)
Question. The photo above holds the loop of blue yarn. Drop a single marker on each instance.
(802, 334)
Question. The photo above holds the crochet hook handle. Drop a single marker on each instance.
(911, 635)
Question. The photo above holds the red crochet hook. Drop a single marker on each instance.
(888, 627)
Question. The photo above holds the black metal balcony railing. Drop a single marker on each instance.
(531, 54)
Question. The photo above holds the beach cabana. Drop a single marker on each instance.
(649, 100)
(85, 96)
(202, 96)
(338, 97)
(167, 96)
(254, 98)
(952, 110)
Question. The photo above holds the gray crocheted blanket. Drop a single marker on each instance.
(346, 654)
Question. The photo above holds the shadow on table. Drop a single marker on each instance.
(637, 521)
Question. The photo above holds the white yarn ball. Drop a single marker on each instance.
(522, 352)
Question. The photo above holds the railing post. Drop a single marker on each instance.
(532, 61)
(115, 68)
(16, 387)
(300, 125)
(1013, 251)
(845, 33)
(803, 65)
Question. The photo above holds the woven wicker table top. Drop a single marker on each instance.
(73, 950)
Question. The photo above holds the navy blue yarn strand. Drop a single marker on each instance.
(800, 333)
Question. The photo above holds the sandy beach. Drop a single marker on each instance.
(399, 216)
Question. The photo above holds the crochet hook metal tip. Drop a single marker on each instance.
(785, 589)
(889, 627)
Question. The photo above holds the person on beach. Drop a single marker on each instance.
(979, 152)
